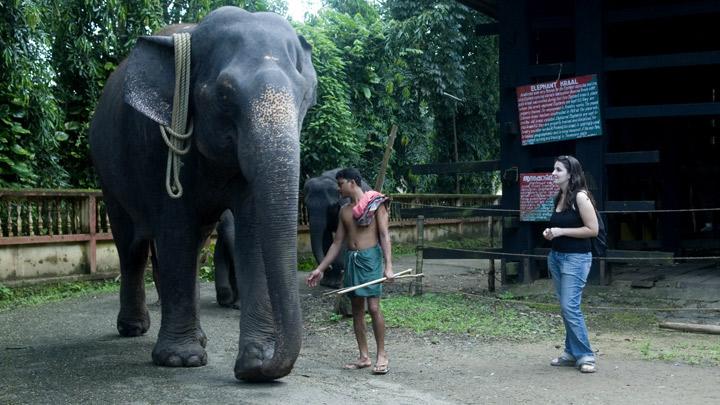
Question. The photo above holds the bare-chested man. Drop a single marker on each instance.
(364, 227)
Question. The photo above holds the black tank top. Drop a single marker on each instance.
(569, 218)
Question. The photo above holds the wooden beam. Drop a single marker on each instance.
(623, 158)
(663, 110)
(629, 205)
(662, 61)
(691, 327)
(487, 7)
(453, 212)
(458, 167)
(655, 12)
(440, 253)
(551, 69)
(543, 163)
(623, 256)
(552, 23)
(36, 240)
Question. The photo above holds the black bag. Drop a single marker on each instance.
(598, 244)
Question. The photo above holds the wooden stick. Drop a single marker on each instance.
(408, 276)
(380, 280)
(691, 327)
(394, 278)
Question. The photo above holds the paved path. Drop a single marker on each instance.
(69, 352)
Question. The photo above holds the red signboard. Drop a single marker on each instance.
(559, 110)
(537, 192)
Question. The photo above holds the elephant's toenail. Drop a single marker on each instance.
(174, 361)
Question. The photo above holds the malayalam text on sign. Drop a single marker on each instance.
(537, 195)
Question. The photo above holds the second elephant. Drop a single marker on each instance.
(323, 203)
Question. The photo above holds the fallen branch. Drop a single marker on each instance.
(691, 327)
(380, 280)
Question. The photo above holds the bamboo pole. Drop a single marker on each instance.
(357, 287)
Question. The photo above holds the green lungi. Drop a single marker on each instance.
(362, 266)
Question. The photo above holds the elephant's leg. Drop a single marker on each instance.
(257, 330)
(224, 270)
(181, 340)
(133, 318)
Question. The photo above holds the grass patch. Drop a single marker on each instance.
(686, 352)
(306, 263)
(622, 320)
(36, 295)
(457, 313)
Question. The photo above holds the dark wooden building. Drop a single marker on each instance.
(655, 167)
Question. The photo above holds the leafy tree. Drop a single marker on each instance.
(328, 139)
(441, 54)
(29, 113)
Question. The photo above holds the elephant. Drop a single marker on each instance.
(226, 288)
(251, 84)
(323, 203)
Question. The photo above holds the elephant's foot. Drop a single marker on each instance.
(181, 351)
(131, 326)
(225, 296)
(248, 365)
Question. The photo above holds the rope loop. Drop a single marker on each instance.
(178, 142)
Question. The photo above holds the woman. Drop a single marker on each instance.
(573, 223)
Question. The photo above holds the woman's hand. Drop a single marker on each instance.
(550, 233)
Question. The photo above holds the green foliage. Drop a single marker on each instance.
(30, 117)
(41, 294)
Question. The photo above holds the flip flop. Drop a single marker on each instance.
(380, 369)
(356, 366)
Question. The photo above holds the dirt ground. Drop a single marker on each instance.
(69, 352)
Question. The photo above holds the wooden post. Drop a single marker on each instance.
(491, 231)
(386, 158)
(491, 275)
(92, 243)
(416, 285)
(604, 272)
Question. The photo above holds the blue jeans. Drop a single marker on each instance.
(569, 272)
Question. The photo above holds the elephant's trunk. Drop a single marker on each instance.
(278, 240)
(275, 198)
(318, 229)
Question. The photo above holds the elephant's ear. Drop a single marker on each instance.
(150, 78)
(308, 70)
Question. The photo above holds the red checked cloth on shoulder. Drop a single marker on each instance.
(364, 210)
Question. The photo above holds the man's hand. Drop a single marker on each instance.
(314, 278)
(389, 274)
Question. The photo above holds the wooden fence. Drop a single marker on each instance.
(54, 216)
(42, 217)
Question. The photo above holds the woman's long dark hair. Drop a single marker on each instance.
(576, 182)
